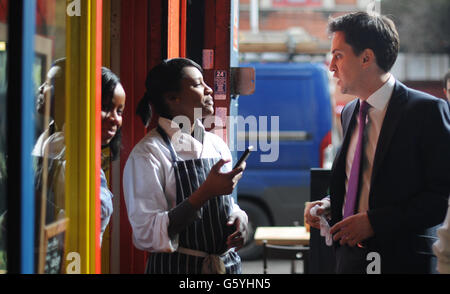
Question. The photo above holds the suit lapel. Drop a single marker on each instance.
(338, 170)
(391, 119)
(348, 122)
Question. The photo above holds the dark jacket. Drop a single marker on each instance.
(410, 181)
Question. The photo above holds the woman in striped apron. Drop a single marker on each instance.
(178, 180)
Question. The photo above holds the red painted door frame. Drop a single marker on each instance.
(133, 69)
(217, 38)
(144, 46)
(149, 33)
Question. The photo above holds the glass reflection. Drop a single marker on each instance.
(49, 149)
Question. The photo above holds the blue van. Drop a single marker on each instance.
(292, 110)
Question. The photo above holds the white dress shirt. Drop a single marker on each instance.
(374, 121)
(149, 181)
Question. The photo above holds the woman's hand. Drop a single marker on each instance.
(217, 183)
(238, 238)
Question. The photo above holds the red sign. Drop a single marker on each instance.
(3, 10)
(279, 3)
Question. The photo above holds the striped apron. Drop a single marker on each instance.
(206, 235)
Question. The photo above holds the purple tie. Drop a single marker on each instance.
(352, 190)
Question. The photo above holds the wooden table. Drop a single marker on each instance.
(285, 243)
(282, 235)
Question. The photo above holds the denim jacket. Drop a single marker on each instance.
(106, 204)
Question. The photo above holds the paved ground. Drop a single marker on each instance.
(273, 267)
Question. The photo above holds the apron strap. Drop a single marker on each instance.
(169, 144)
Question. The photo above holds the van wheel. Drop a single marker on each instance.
(257, 217)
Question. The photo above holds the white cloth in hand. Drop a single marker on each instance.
(324, 226)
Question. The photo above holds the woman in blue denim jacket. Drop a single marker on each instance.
(113, 104)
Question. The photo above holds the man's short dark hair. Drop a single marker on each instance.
(446, 78)
(366, 31)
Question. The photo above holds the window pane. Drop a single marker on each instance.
(49, 150)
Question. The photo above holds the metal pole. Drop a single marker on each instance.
(254, 16)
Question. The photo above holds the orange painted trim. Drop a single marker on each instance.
(173, 29)
(98, 103)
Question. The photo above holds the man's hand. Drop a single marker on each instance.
(352, 230)
(314, 221)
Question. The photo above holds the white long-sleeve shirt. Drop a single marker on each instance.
(442, 247)
(149, 181)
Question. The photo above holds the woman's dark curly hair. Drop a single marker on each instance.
(109, 84)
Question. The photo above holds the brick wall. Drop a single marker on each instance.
(314, 23)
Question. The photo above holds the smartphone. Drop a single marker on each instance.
(244, 156)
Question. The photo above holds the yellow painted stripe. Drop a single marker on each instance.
(81, 181)
(72, 91)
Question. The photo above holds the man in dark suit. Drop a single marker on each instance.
(446, 87)
(391, 177)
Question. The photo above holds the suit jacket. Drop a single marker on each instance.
(410, 181)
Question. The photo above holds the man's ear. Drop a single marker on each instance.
(367, 57)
